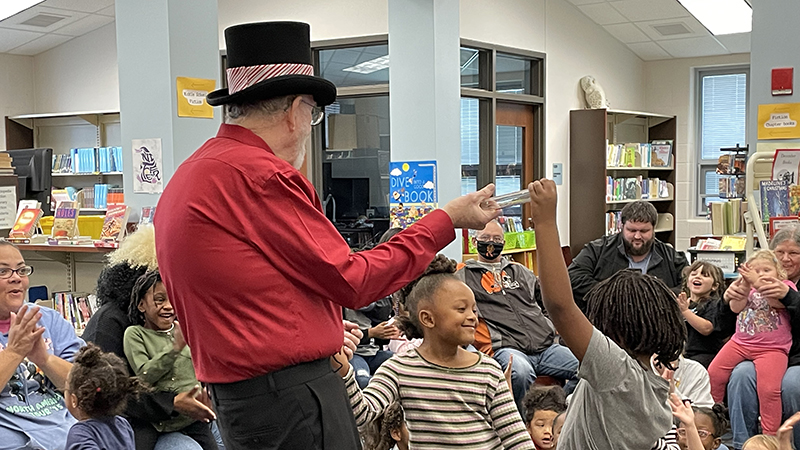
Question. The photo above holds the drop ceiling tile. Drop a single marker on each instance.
(585, 2)
(15, 22)
(85, 25)
(735, 43)
(693, 47)
(696, 29)
(10, 39)
(109, 11)
(41, 44)
(88, 6)
(638, 10)
(602, 13)
(627, 33)
(649, 51)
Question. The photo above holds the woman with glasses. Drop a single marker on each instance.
(36, 345)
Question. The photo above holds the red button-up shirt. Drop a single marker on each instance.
(256, 272)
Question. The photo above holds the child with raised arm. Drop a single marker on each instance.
(451, 397)
(621, 400)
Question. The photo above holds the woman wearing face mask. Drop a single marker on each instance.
(511, 321)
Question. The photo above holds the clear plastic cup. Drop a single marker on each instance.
(511, 199)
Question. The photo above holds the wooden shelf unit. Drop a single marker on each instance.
(591, 130)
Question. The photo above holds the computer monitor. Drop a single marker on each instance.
(33, 167)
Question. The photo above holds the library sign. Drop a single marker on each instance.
(779, 121)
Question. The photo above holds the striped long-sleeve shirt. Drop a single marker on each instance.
(467, 408)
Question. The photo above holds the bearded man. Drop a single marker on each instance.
(635, 247)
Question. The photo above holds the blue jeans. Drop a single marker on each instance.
(743, 401)
(556, 361)
(176, 441)
(365, 366)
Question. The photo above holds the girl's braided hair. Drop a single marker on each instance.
(423, 288)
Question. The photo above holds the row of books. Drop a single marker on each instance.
(732, 164)
(726, 243)
(89, 160)
(726, 217)
(635, 188)
(665, 222)
(654, 154)
(75, 307)
(97, 197)
(65, 223)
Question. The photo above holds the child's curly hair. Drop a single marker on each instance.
(101, 382)
(140, 288)
(440, 270)
(544, 398)
(378, 432)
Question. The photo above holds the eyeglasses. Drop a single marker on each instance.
(702, 433)
(317, 113)
(496, 240)
(23, 271)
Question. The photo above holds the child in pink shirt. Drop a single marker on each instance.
(763, 335)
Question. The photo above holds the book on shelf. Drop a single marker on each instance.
(726, 217)
(26, 224)
(115, 223)
(774, 199)
(148, 212)
(708, 244)
(733, 242)
(89, 160)
(661, 151)
(778, 223)
(630, 155)
(65, 220)
(794, 200)
(732, 164)
(75, 307)
(785, 165)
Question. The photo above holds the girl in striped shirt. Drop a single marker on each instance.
(451, 397)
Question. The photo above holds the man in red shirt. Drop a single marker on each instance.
(256, 272)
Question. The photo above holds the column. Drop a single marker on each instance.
(424, 91)
(158, 41)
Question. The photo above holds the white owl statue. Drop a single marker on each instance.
(595, 96)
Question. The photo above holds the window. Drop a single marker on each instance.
(501, 120)
(722, 123)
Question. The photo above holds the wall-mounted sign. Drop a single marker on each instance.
(192, 97)
(779, 121)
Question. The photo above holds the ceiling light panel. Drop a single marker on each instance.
(370, 66)
(721, 16)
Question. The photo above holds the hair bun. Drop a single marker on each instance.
(441, 264)
(720, 410)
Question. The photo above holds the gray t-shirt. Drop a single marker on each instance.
(641, 265)
(617, 405)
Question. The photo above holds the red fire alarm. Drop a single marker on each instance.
(782, 81)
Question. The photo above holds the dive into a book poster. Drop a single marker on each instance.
(147, 178)
(413, 192)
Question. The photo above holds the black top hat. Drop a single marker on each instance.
(270, 59)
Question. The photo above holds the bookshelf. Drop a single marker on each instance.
(591, 130)
(64, 131)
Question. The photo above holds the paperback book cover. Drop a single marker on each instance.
(794, 200)
(114, 223)
(774, 199)
(148, 212)
(733, 243)
(661, 153)
(65, 221)
(26, 223)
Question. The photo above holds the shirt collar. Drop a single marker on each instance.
(243, 135)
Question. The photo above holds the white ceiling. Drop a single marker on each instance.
(643, 25)
(660, 29)
(74, 18)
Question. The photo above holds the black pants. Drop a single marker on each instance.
(146, 435)
(302, 407)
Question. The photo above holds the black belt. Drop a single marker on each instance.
(274, 381)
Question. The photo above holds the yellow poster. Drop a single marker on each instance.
(779, 121)
(192, 97)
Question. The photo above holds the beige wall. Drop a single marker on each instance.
(16, 89)
(670, 88)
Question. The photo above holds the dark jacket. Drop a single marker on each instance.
(602, 258)
(792, 303)
(507, 307)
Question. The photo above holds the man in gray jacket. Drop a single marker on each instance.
(511, 322)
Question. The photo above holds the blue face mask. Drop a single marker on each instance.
(489, 250)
